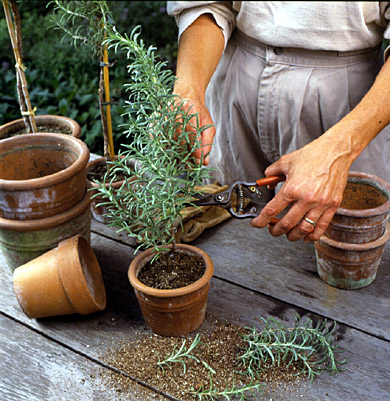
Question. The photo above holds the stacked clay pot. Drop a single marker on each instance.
(43, 194)
(349, 254)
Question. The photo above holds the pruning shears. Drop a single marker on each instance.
(247, 202)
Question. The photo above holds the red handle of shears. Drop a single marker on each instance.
(271, 183)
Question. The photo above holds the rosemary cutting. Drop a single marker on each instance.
(310, 345)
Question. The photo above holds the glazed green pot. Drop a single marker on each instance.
(22, 241)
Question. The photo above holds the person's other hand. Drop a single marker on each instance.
(316, 176)
(203, 118)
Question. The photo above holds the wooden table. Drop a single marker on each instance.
(255, 274)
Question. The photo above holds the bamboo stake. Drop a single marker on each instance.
(108, 104)
(24, 98)
(103, 116)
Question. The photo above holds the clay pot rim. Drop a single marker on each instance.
(48, 222)
(101, 160)
(73, 278)
(136, 264)
(28, 140)
(358, 247)
(75, 126)
(384, 208)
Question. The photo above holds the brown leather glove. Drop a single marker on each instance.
(197, 219)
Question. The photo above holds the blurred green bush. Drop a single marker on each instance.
(63, 80)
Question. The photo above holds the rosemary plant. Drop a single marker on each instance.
(87, 23)
(311, 346)
(231, 393)
(159, 154)
(184, 352)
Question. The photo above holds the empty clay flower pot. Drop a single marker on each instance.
(46, 123)
(349, 266)
(172, 312)
(22, 241)
(364, 211)
(41, 175)
(64, 280)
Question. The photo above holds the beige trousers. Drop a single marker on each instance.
(266, 102)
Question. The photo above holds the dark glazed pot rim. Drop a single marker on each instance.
(375, 182)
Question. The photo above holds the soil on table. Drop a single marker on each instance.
(362, 196)
(218, 349)
(174, 269)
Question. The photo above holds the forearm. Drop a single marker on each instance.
(200, 49)
(367, 119)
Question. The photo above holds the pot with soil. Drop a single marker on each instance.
(45, 123)
(96, 171)
(41, 175)
(64, 280)
(172, 291)
(350, 251)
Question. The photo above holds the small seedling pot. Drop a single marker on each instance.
(45, 123)
(64, 280)
(349, 266)
(364, 210)
(172, 312)
(22, 241)
(41, 175)
(99, 211)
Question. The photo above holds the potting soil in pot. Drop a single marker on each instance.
(361, 196)
(172, 270)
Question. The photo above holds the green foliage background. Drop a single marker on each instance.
(63, 80)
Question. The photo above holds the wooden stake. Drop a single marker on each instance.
(15, 33)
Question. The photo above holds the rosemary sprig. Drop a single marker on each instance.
(184, 352)
(311, 346)
(210, 393)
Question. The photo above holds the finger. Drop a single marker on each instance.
(271, 210)
(322, 225)
(306, 226)
(206, 142)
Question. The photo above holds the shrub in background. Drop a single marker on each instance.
(63, 81)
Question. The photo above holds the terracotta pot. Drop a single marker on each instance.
(41, 175)
(349, 266)
(22, 241)
(64, 280)
(364, 210)
(99, 211)
(46, 123)
(172, 312)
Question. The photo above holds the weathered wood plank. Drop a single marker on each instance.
(92, 335)
(34, 368)
(287, 271)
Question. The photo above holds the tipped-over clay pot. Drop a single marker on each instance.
(64, 280)
(172, 312)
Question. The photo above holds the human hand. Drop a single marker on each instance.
(201, 118)
(316, 176)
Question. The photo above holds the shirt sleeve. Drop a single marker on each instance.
(186, 12)
(385, 11)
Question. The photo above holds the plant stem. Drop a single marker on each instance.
(15, 36)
